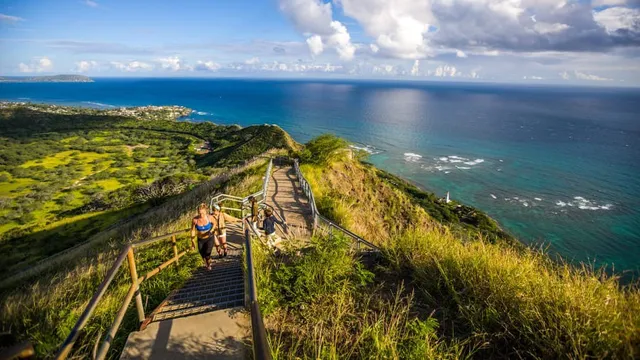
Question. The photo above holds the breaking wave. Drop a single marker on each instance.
(411, 157)
(582, 203)
(367, 148)
(102, 105)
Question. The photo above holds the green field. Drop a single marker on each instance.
(66, 177)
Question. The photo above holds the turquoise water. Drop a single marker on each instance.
(555, 166)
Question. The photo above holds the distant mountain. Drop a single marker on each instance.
(54, 78)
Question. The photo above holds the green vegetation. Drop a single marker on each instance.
(326, 304)
(443, 287)
(44, 311)
(67, 174)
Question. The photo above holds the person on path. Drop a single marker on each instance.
(202, 227)
(220, 231)
(269, 227)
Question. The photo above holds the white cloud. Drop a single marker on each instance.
(617, 18)
(341, 40)
(374, 48)
(252, 61)
(596, 3)
(460, 54)
(577, 75)
(415, 70)
(299, 67)
(10, 19)
(584, 76)
(315, 18)
(90, 3)
(41, 64)
(315, 44)
(86, 65)
(207, 66)
(533, 77)
(547, 28)
(131, 66)
(398, 27)
(445, 71)
(173, 63)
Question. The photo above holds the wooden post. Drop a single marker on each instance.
(134, 279)
(175, 249)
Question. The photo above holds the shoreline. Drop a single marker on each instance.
(184, 116)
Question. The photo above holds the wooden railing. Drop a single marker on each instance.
(128, 253)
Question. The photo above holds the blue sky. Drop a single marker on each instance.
(551, 41)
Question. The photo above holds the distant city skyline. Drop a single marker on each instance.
(591, 42)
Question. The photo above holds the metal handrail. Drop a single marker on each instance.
(134, 290)
(322, 223)
(261, 348)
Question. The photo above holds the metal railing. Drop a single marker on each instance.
(324, 225)
(134, 290)
(261, 348)
(261, 195)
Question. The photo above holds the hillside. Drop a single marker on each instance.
(68, 173)
(89, 181)
(449, 284)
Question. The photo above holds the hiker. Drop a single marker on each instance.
(254, 213)
(202, 226)
(219, 220)
(269, 227)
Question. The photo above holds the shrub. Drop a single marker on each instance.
(324, 149)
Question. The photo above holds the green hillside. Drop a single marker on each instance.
(448, 284)
(69, 173)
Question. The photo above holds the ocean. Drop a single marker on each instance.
(558, 167)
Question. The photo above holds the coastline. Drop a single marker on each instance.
(578, 253)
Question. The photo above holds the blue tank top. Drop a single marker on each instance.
(205, 227)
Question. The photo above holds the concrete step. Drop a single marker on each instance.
(230, 302)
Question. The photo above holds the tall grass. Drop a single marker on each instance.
(520, 303)
(45, 310)
(326, 305)
(516, 302)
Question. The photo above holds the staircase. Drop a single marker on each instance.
(207, 317)
(220, 288)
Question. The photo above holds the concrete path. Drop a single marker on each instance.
(221, 334)
(204, 319)
(286, 196)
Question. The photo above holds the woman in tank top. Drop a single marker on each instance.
(202, 227)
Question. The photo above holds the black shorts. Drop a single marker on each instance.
(205, 246)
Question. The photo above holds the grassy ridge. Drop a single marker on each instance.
(491, 299)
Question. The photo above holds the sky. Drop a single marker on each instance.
(595, 42)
